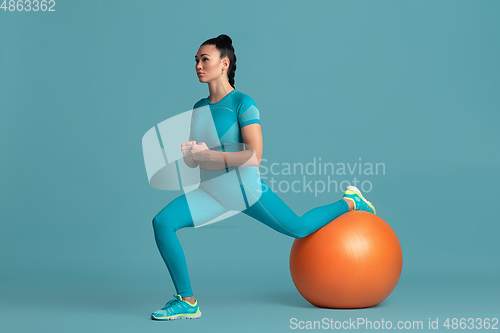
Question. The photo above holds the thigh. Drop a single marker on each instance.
(273, 212)
(191, 209)
(225, 188)
(204, 208)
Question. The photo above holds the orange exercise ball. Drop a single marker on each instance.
(352, 262)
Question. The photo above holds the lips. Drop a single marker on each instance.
(200, 73)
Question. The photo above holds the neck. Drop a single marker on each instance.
(218, 89)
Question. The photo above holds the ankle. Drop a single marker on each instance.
(349, 203)
(189, 299)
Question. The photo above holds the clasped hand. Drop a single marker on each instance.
(199, 152)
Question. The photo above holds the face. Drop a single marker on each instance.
(209, 63)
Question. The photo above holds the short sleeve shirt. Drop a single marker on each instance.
(221, 122)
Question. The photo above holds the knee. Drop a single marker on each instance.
(168, 222)
(161, 222)
(301, 233)
(155, 222)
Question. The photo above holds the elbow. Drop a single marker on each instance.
(254, 158)
(257, 159)
(251, 162)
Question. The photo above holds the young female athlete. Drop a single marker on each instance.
(228, 177)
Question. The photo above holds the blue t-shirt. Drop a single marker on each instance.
(219, 124)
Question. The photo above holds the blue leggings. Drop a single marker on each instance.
(269, 209)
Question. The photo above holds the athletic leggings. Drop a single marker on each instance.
(268, 209)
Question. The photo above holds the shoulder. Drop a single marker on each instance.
(200, 103)
(246, 109)
(243, 102)
(242, 98)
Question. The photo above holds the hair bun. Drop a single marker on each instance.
(226, 37)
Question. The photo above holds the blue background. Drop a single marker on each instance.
(411, 84)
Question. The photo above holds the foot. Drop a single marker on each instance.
(353, 194)
(177, 309)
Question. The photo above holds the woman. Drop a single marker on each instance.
(228, 175)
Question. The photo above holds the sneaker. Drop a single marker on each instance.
(360, 203)
(177, 309)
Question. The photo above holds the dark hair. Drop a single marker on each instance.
(224, 44)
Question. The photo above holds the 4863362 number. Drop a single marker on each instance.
(471, 323)
(28, 6)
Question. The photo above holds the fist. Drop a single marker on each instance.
(200, 152)
(186, 148)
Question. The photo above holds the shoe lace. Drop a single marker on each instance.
(172, 302)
